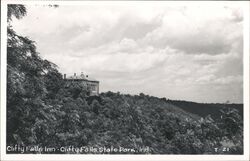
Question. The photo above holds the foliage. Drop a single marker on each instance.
(18, 11)
(28, 116)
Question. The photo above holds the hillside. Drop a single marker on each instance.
(204, 109)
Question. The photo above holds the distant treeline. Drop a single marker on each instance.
(204, 109)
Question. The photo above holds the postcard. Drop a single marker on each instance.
(125, 80)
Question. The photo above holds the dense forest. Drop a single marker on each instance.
(42, 111)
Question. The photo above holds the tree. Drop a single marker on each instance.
(29, 117)
(53, 82)
(16, 10)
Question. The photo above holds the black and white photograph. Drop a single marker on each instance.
(124, 78)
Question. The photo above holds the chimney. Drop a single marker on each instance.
(64, 76)
(87, 76)
(74, 74)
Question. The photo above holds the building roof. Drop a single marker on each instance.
(82, 77)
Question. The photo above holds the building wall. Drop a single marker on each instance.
(91, 86)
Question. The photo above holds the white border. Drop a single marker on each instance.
(244, 4)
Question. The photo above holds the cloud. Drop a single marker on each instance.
(114, 57)
(195, 33)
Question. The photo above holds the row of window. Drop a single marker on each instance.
(93, 87)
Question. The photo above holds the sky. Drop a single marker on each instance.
(192, 53)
